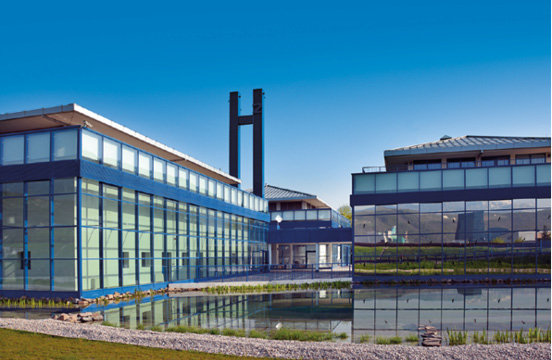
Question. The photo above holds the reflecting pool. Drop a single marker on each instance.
(360, 313)
(374, 312)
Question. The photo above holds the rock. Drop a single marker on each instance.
(63, 317)
(86, 319)
(84, 314)
(97, 317)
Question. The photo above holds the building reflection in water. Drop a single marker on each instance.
(374, 312)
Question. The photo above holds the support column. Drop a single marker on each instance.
(317, 256)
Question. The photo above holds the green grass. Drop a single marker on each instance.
(342, 336)
(300, 335)
(257, 334)
(156, 328)
(411, 338)
(193, 329)
(107, 323)
(364, 339)
(29, 346)
(393, 340)
(234, 332)
(278, 287)
(457, 337)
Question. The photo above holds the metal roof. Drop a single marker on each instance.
(73, 114)
(471, 143)
(274, 193)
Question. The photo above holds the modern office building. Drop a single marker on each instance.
(90, 207)
(305, 231)
(471, 207)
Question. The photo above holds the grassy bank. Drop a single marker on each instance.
(278, 287)
(20, 345)
(280, 334)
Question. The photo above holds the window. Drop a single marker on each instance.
(427, 164)
(38, 147)
(146, 261)
(90, 146)
(171, 174)
(144, 165)
(460, 163)
(111, 153)
(13, 150)
(193, 182)
(495, 161)
(530, 159)
(129, 159)
(158, 169)
(182, 178)
(125, 260)
(65, 145)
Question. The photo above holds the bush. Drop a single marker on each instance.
(342, 336)
(156, 328)
(411, 338)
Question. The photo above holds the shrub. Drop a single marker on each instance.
(140, 327)
(156, 328)
(411, 338)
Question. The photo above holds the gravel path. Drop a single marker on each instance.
(275, 348)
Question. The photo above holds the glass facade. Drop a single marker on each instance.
(510, 236)
(452, 179)
(53, 229)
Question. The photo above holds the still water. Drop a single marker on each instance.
(374, 312)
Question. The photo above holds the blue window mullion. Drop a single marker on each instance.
(79, 230)
(100, 235)
(1, 233)
(152, 253)
(165, 253)
(136, 238)
(51, 233)
(120, 233)
(25, 238)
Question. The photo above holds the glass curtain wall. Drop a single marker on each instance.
(453, 238)
(133, 238)
(38, 231)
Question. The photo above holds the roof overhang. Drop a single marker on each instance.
(73, 114)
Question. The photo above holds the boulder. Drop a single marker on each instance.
(64, 317)
(97, 317)
(86, 319)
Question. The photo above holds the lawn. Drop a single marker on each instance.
(25, 345)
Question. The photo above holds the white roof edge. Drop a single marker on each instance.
(97, 117)
(144, 138)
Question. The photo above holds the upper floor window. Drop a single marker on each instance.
(530, 159)
(495, 161)
(460, 163)
(427, 164)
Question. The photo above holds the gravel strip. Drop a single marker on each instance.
(275, 348)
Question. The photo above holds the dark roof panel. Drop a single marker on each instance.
(471, 143)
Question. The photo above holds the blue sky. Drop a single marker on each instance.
(343, 81)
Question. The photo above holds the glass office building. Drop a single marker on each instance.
(460, 208)
(85, 214)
